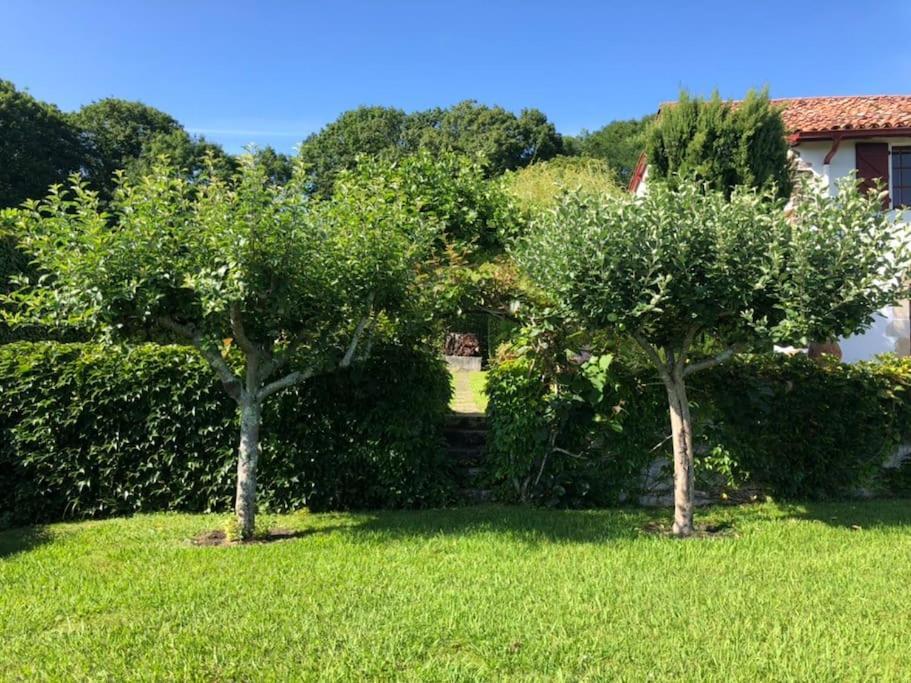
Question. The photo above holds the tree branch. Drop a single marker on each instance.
(688, 342)
(169, 323)
(237, 328)
(287, 381)
(710, 362)
(229, 380)
(652, 354)
(358, 333)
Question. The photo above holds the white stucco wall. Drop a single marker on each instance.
(891, 331)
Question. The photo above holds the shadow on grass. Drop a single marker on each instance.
(525, 524)
(856, 515)
(22, 539)
(540, 525)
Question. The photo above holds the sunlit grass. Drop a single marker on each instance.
(795, 593)
(478, 382)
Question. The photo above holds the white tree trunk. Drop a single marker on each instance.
(682, 436)
(247, 458)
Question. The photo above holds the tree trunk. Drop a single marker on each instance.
(247, 458)
(682, 436)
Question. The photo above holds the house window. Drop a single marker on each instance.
(901, 176)
(872, 163)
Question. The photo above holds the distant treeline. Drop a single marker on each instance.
(41, 145)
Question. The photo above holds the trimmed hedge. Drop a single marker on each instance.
(89, 430)
(807, 429)
(797, 428)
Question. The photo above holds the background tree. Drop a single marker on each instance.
(720, 143)
(270, 288)
(448, 189)
(618, 144)
(367, 131)
(505, 140)
(193, 155)
(467, 275)
(39, 146)
(278, 167)
(116, 132)
(686, 270)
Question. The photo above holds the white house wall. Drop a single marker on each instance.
(891, 331)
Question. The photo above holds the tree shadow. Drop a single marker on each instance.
(219, 537)
(853, 514)
(525, 524)
(857, 515)
(22, 539)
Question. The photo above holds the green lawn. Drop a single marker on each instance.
(811, 593)
(469, 391)
(478, 382)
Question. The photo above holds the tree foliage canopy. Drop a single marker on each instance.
(721, 143)
(194, 156)
(193, 252)
(504, 140)
(689, 258)
(116, 132)
(618, 144)
(39, 146)
(449, 189)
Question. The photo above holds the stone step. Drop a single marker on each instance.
(465, 437)
(469, 421)
(465, 456)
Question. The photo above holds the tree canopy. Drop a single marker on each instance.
(722, 143)
(618, 144)
(39, 146)
(192, 155)
(116, 132)
(504, 140)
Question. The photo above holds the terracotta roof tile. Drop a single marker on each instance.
(855, 112)
(818, 114)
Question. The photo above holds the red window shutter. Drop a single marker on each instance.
(872, 164)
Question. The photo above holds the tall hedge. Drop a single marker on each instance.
(89, 430)
(795, 427)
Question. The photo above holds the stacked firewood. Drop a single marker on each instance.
(462, 344)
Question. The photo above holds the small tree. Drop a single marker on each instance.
(685, 271)
(295, 286)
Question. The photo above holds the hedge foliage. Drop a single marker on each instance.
(807, 429)
(89, 430)
(795, 427)
(549, 443)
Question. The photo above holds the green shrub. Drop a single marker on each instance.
(581, 438)
(797, 428)
(88, 430)
(806, 429)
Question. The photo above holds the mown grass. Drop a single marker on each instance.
(815, 592)
(478, 382)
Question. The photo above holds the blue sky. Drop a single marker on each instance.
(272, 72)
